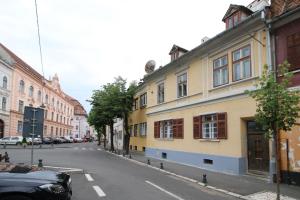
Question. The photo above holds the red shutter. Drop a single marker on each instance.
(222, 125)
(174, 126)
(180, 128)
(156, 129)
(197, 127)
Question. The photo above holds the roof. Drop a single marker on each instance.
(233, 7)
(78, 108)
(175, 48)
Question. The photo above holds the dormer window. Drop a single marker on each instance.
(235, 14)
(176, 52)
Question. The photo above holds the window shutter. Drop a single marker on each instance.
(180, 128)
(156, 129)
(197, 127)
(174, 126)
(222, 125)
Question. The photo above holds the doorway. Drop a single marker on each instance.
(1, 128)
(258, 148)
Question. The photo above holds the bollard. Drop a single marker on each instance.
(148, 162)
(40, 146)
(6, 158)
(161, 165)
(4, 145)
(204, 179)
(40, 163)
(130, 156)
(123, 154)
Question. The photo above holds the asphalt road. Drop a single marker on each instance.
(107, 176)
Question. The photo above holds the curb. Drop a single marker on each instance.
(64, 169)
(183, 177)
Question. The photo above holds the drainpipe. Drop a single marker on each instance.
(272, 164)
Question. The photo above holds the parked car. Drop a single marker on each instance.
(35, 185)
(16, 140)
(68, 139)
(78, 140)
(57, 140)
(35, 140)
(47, 140)
(63, 139)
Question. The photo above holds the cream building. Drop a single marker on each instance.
(29, 88)
(79, 122)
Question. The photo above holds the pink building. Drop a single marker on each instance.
(29, 88)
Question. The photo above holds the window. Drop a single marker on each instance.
(21, 86)
(4, 84)
(169, 129)
(39, 97)
(233, 20)
(143, 100)
(56, 117)
(293, 50)
(76, 127)
(220, 71)
(53, 101)
(135, 104)
(52, 116)
(64, 120)
(57, 105)
(161, 93)
(45, 130)
(56, 131)
(212, 126)
(21, 106)
(31, 91)
(131, 130)
(51, 131)
(46, 99)
(143, 129)
(182, 85)
(241, 63)
(135, 130)
(46, 114)
(3, 103)
(61, 119)
(20, 127)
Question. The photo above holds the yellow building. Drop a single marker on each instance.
(197, 110)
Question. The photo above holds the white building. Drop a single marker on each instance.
(118, 134)
(79, 122)
(6, 63)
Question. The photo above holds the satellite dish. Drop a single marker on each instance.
(150, 66)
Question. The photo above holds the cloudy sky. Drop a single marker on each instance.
(88, 43)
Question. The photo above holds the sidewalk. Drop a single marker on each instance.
(243, 185)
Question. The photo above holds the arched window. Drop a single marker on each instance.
(21, 86)
(31, 91)
(39, 95)
(4, 82)
(4, 103)
(46, 98)
(52, 101)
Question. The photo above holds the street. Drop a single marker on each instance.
(106, 176)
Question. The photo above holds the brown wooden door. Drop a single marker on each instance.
(258, 150)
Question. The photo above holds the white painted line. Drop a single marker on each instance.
(83, 148)
(91, 149)
(99, 149)
(99, 191)
(89, 177)
(165, 191)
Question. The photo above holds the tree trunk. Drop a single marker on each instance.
(127, 134)
(99, 138)
(111, 127)
(277, 155)
(104, 133)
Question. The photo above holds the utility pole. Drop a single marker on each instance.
(32, 134)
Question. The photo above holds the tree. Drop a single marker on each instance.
(277, 107)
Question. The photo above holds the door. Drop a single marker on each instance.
(1, 128)
(258, 148)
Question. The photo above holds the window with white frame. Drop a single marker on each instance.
(182, 85)
(4, 83)
(46, 99)
(220, 71)
(143, 129)
(21, 86)
(161, 93)
(4, 103)
(143, 100)
(31, 91)
(21, 106)
(166, 129)
(39, 97)
(241, 63)
(20, 127)
(209, 126)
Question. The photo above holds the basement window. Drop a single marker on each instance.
(144, 149)
(135, 148)
(208, 161)
(164, 155)
(130, 147)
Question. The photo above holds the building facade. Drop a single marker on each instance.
(196, 108)
(118, 137)
(79, 122)
(6, 70)
(29, 88)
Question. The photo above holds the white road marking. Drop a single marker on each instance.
(91, 149)
(99, 149)
(89, 177)
(83, 148)
(163, 190)
(76, 148)
(99, 191)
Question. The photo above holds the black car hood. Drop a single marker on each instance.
(32, 178)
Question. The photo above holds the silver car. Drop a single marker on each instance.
(15, 140)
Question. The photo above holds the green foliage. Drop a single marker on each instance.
(277, 105)
(24, 140)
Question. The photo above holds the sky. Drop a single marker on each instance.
(88, 43)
